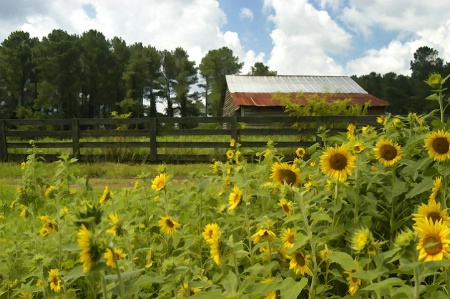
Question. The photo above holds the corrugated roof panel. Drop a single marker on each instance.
(285, 84)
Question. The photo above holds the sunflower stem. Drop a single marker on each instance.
(308, 228)
(417, 282)
(119, 276)
(447, 274)
(103, 283)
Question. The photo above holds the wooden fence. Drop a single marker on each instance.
(199, 139)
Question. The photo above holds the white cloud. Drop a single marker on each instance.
(303, 39)
(195, 25)
(393, 58)
(246, 14)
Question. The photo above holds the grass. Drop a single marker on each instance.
(114, 175)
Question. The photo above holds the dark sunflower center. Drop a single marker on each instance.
(290, 239)
(434, 216)
(55, 279)
(287, 176)
(338, 161)
(354, 280)
(300, 259)
(169, 223)
(388, 152)
(286, 208)
(432, 245)
(357, 149)
(440, 145)
(266, 234)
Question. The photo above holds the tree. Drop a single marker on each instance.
(168, 71)
(215, 65)
(426, 61)
(186, 76)
(58, 59)
(98, 89)
(259, 69)
(18, 76)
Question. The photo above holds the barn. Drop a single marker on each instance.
(254, 95)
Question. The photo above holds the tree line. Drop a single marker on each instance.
(88, 76)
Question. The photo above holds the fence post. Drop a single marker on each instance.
(75, 138)
(318, 124)
(152, 129)
(234, 128)
(3, 146)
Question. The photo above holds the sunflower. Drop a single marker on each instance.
(168, 225)
(288, 238)
(300, 152)
(432, 212)
(337, 162)
(235, 198)
(237, 157)
(22, 166)
(388, 152)
(54, 280)
(185, 289)
(215, 252)
(149, 258)
(23, 210)
(110, 258)
(232, 142)
(351, 128)
(50, 191)
(286, 206)
(90, 250)
(405, 239)
(105, 196)
(263, 233)
(361, 239)
(434, 80)
(285, 173)
(353, 282)
(211, 233)
(116, 228)
(159, 182)
(358, 147)
(436, 187)
(230, 154)
(434, 240)
(299, 262)
(324, 254)
(271, 294)
(438, 145)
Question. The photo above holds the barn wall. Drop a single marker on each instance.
(229, 107)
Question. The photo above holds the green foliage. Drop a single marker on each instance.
(215, 65)
(353, 238)
(319, 105)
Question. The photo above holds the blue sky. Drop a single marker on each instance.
(313, 37)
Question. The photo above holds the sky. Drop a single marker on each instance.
(292, 37)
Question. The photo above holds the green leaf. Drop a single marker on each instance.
(433, 97)
(321, 216)
(393, 281)
(150, 278)
(343, 259)
(230, 282)
(291, 289)
(75, 273)
(423, 186)
(123, 275)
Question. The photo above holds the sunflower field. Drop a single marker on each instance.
(363, 216)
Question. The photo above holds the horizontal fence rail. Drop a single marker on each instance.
(189, 139)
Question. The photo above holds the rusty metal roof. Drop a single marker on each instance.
(259, 90)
